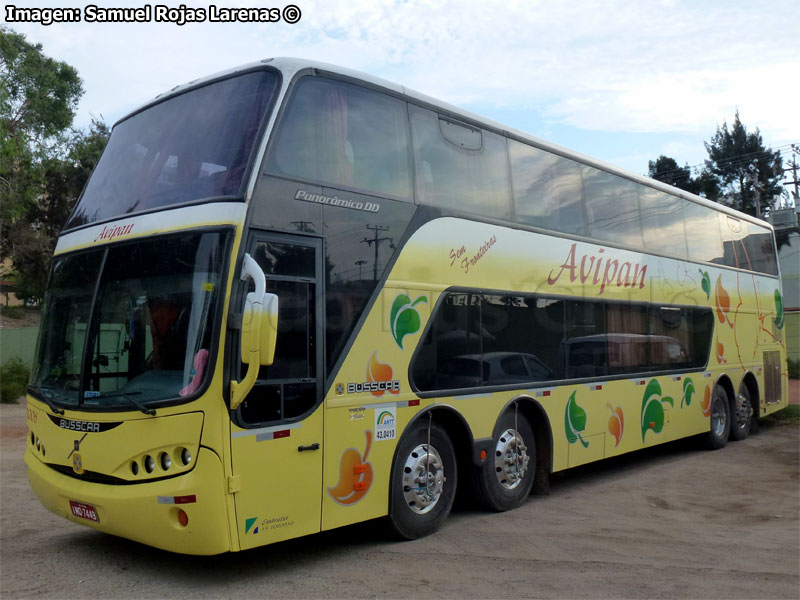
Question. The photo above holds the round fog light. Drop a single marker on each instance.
(134, 467)
(166, 461)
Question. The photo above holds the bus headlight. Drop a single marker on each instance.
(149, 464)
(186, 456)
(166, 461)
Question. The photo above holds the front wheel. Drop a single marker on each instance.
(720, 427)
(423, 481)
(505, 480)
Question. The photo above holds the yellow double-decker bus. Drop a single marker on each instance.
(293, 297)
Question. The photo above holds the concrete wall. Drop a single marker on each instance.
(20, 343)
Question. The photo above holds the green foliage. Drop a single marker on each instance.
(789, 415)
(14, 377)
(794, 368)
(731, 151)
(38, 95)
(727, 176)
(43, 163)
(666, 169)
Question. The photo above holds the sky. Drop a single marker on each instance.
(624, 81)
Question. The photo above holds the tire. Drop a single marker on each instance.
(719, 428)
(742, 414)
(414, 512)
(505, 480)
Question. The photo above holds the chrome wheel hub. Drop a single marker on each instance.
(718, 418)
(510, 459)
(423, 478)
(744, 411)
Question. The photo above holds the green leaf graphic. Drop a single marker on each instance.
(706, 283)
(404, 317)
(653, 415)
(688, 392)
(778, 309)
(575, 422)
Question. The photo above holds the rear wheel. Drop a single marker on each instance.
(423, 481)
(720, 427)
(505, 480)
(742, 414)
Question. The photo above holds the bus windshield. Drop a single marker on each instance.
(143, 336)
(193, 146)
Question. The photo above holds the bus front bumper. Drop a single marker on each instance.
(144, 512)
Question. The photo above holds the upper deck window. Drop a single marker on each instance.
(459, 166)
(338, 134)
(193, 146)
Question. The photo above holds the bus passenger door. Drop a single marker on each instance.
(276, 438)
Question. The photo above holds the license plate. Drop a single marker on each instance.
(84, 511)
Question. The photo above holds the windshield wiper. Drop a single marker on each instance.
(40, 394)
(127, 396)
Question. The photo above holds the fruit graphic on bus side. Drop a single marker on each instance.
(723, 302)
(575, 422)
(706, 283)
(653, 408)
(688, 392)
(616, 424)
(706, 403)
(378, 371)
(355, 475)
(404, 317)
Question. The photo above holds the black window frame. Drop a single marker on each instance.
(650, 371)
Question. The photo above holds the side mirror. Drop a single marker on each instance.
(259, 330)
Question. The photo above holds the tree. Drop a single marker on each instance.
(31, 238)
(744, 168)
(666, 169)
(44, 164)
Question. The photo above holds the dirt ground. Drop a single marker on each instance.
(672, 522)
(21, 317)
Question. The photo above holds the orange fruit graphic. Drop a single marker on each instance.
(355, 475)
(378, 371)
(616, 424)
(723, 302)
(706, 403)
(721, 353)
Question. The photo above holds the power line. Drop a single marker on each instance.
(740, 159)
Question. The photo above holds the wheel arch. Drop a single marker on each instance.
(457, 429)
(543, 434)
(725, 382)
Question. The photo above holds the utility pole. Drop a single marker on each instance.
(360, 263)
(794, 180)
(757, 186)
(377, 240)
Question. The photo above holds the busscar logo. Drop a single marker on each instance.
(88, 426)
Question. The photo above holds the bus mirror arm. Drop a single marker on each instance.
(259, 330)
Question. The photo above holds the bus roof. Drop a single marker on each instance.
(289, 67)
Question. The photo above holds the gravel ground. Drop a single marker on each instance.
(671, 522)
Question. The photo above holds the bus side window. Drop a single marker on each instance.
(338, 134)
(548, 189)
(460, 167)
